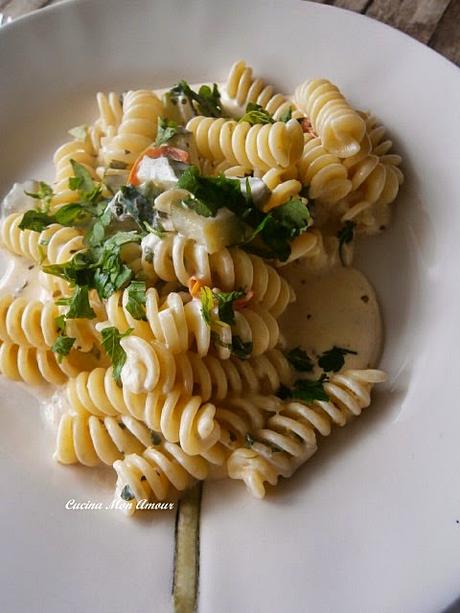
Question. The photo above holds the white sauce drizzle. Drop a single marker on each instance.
(338, 308)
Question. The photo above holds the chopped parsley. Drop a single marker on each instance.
(255, 113)
(207, 304)
(44, 195)
(206, 102)
(225, 302)
(127, 493)
(300, 360)
(62, 346)
(167, 128)
(334, 359)
(240, 348)
(306, 390)
(269, 234)
(286, 116)
(111, 338)
(136, 300)
(79, 306)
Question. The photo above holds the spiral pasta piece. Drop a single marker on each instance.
(137, 129)
(176, 258)
(33, 323)
(376, 178)
(178, 416)
(340, 128)
(261, 146)
(81, 151)
(159, 471)
(150, 366)
(56, 243)
(323, 173)
(38, 366)
(243, 88)
(179, 324)
(88, 440)
(289, 437)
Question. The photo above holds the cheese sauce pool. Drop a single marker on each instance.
(334, 308)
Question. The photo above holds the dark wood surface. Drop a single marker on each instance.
(433, 22)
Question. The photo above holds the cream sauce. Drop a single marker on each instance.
(338, 307)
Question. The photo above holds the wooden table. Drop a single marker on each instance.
(433, 22)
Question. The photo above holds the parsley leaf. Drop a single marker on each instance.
(82, 180)
(127, 493)
(44, 194)
(62, 346)
(334, 359)
(74, 214)
(206, 102)
(255, 113)
(167, 128)
(35, 220)
(136, 300)
(111, 338)
(309, 390)
(225, 302)
(207, 304)
(286, 116)
(345, 236)
(271, 233)
(241, 349)
(100, 267)
(79, 306)
(300, 360)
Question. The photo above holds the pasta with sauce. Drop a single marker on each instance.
(149, 286)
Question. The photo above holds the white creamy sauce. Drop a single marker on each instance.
(338, 308)
(17, 200)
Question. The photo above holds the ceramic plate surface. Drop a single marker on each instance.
(371, 523)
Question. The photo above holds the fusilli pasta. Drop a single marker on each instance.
(289, 437)
(340, 128)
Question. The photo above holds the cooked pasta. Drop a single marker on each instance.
(38, 366)
(289, 437)
(323, 173)
(31, 322)
(243, 88)
(160, 468)
(80, 151)
(176, 258)
(376, 178)
(145, 286)
(260, 147)
(340, 128)
(88, 440)
(150, 366)
(55, 244)
(136, 130)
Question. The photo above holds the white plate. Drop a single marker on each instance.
(372, 522)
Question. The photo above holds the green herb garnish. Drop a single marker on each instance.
(167, 128)
(225, 302)
(62, 346)
(207, 304)
(127, 493)
(44, 194)
(334, 359)
(111, 338)
(255, 113)
(240, 348)
(309, 390)
(135, 304)
(206, 102)
(300, 360)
